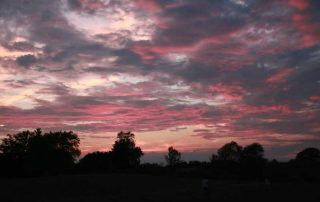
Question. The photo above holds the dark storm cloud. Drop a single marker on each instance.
(26, 60)
(201, 20)
(94, 49)
(292, 122)
(127, 57)
(198, 72)
(19, 12)
(89, 6)
(75, 4)
(212, 113)
(297, 86)
(23, 46)
(19, 8)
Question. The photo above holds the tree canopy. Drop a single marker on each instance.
(96, 162)
(125, 153)
(230, 152)
(35, 152)
(309, 154)
(252, 152)
(173, 157)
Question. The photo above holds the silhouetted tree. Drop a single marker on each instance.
(252, 161)
(96, 162)
(124, 151)
(14, 150)
(36, 153)
(16, 146)
(252, 152)
(309, 154)
(230, 152)
(307, 164)
(53, 151)
(173, 157)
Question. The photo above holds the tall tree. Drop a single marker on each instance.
(252, 161)
(230, 152)
(125, 153)
(173, 157)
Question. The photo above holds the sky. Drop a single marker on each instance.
(193, 74)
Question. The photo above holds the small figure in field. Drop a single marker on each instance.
(205, 185)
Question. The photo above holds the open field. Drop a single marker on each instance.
(118, 187)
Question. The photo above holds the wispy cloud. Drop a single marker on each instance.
(245, 69)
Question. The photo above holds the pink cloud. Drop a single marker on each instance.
(149, 5)
(230, 92)
(93, 4)
(314, 98)
(299, 4)
(247, 109)
(310, 30)
(280, 75)
(149, 51)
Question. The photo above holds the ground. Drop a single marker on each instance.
(121, 187)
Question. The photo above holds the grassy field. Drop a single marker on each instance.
(117, 187)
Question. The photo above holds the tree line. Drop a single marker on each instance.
(34, 153)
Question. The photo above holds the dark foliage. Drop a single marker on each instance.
(309, 154)
(252, 161)
(124, 152)
(252, 152)
(230, 152)
(34, 153)
(96, 162)
(173, 158)
(307, 164)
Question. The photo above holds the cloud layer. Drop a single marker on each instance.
(194, 74)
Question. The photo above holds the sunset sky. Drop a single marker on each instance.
(194, 74)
